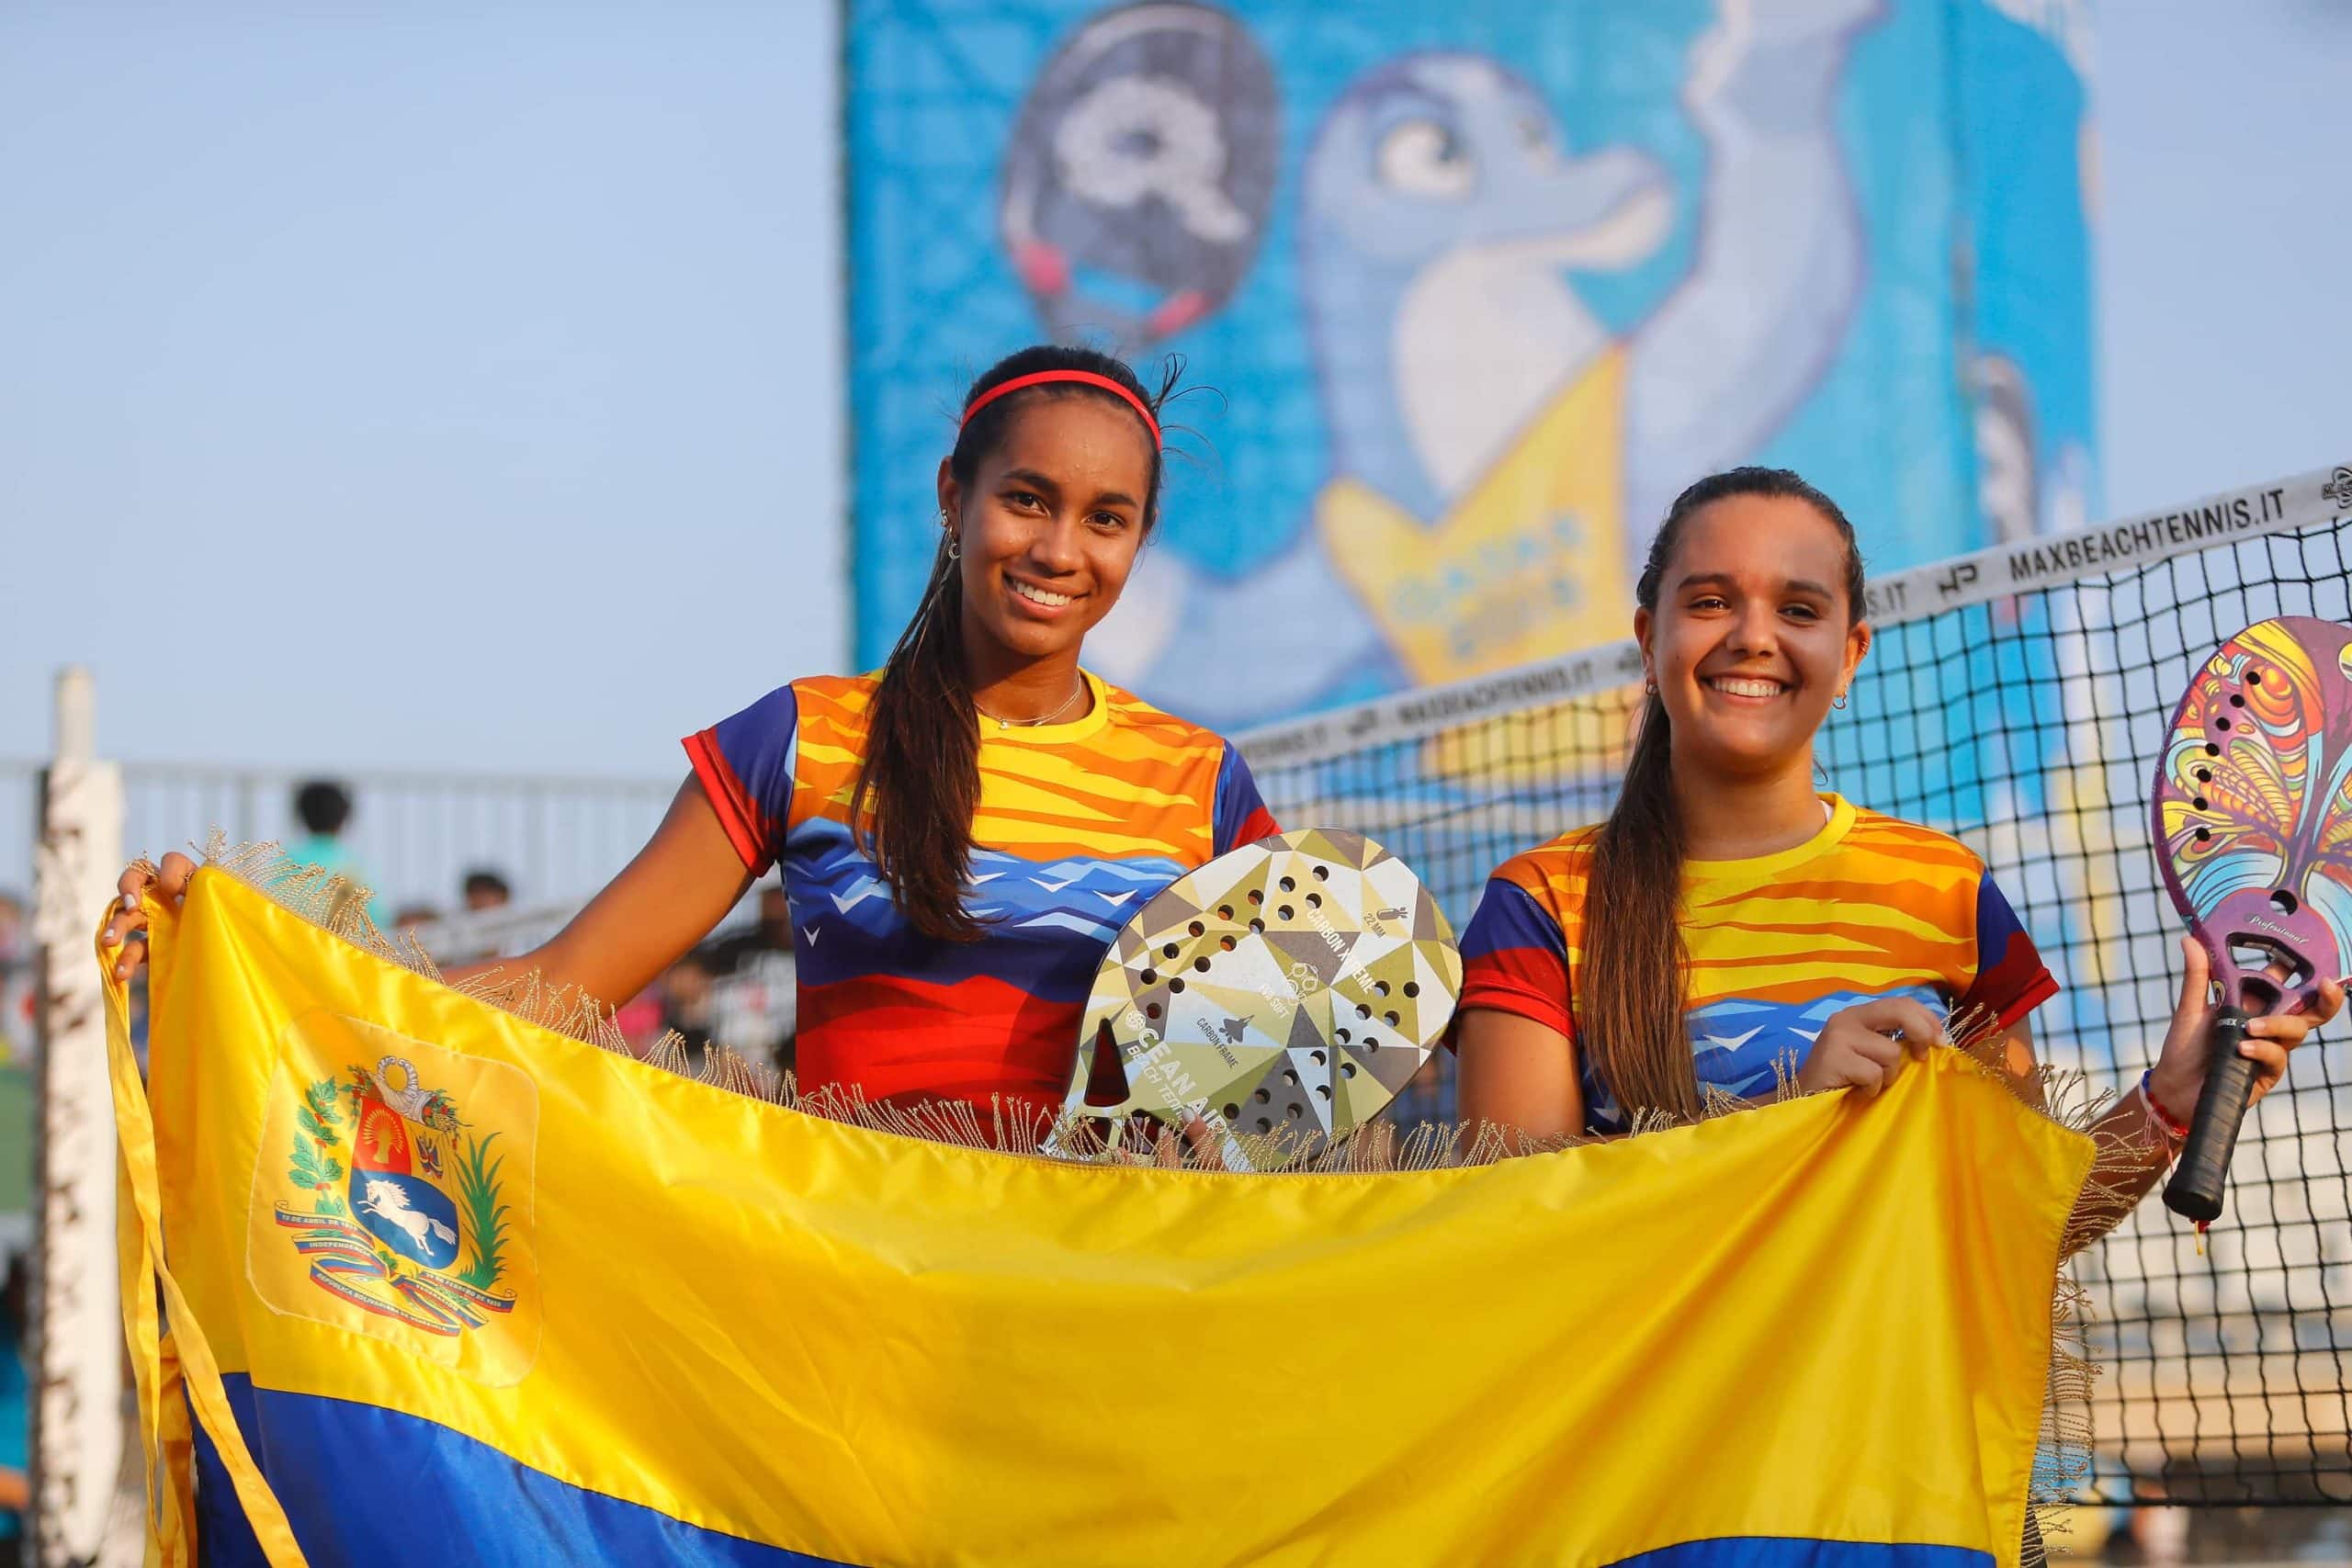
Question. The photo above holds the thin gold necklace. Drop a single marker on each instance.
(1033, 723)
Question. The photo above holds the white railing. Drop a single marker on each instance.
(412, 833)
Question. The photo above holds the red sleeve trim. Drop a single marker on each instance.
(2040, 989)
(737, 812)
(1502, 995)
(1258, 824)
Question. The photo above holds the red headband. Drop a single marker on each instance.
(1044, 377)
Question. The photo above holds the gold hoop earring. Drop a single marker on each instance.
(954, 547)
(1838, 700)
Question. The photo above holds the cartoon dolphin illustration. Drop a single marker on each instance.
(1499, 455)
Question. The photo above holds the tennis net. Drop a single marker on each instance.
(2015, 698)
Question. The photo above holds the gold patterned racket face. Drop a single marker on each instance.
(1286, 991)
(2252, 810)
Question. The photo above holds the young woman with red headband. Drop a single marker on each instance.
(962, 832)
(1728, 919)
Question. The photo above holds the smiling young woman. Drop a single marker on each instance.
(1727, 918)
(962, 831)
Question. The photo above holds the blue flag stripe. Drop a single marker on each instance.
(361, 1483)
(365, 1484)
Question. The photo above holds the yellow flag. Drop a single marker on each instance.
(444, 1286)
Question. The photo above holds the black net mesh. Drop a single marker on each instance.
(2028, 727)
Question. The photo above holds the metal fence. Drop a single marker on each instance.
(412, 834)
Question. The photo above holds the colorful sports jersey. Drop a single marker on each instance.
(1868, 908)
(1079, 824)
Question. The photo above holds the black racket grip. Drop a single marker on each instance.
(2195, 1191)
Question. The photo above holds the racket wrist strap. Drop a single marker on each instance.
(2175, 1128)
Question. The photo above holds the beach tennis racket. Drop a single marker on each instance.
(1268, 1002)
(2253, 822)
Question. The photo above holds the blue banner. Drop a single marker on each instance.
(1478, 288)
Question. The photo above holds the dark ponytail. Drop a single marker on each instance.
(920, 783)
(1637, 969)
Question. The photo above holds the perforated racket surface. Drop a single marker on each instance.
(2252, 814)
(1275, 999)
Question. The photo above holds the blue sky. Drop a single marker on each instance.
(417, 384)
(437, 385)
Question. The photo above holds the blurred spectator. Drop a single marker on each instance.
(685, 999)
(772, 934)
(485, 889)
(754, 1002)
(16, 1411)
(2161, 1535)
(17, 1000)
(324, 808)
(411, 916)
(640, 1018)
(737, 991)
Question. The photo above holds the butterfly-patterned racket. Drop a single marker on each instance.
(2252, 821)
(1275, 999)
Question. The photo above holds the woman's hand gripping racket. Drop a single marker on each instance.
(1277, 998)
(2252, 821)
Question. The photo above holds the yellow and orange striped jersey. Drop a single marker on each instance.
(1870, 906)
(1079, 824)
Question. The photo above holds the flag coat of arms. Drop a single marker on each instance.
(411, 1278)
(392, 1198)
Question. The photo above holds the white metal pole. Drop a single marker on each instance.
(76, 1318)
